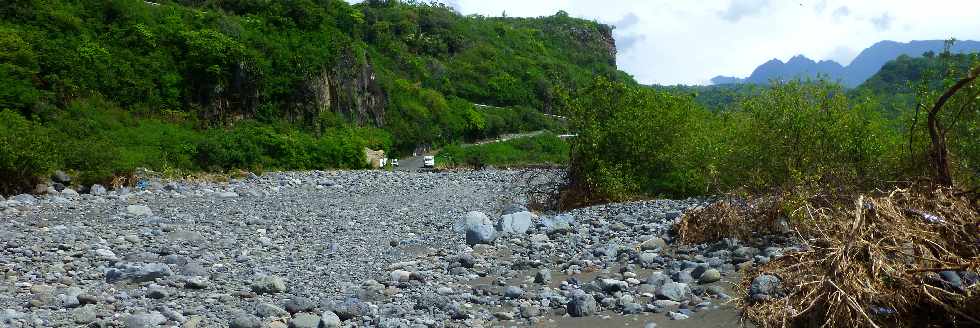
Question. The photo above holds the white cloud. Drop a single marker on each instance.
(883, 22)
(742, 8)
(689, 42)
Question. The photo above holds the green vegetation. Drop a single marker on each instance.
(211, 84)
(637, 141)
(545, 148)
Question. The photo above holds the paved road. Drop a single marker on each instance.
(414, 163)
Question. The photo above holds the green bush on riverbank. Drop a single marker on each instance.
(96, 143)
(544, 148)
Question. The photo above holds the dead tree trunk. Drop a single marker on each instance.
(938, 153)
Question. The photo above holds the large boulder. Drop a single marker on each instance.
(673, 291)
(582, 304)
(514, 208)
(97, 190)
(478, 228)
(516, 223)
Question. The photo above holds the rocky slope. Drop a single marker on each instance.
(353, 248)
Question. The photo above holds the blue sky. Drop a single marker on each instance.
(689, 42)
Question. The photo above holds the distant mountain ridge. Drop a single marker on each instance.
(866, 64)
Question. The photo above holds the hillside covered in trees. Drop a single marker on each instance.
(299, 84)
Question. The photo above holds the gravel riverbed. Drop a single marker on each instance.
(356, 248)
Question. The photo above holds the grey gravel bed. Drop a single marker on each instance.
(345, 248)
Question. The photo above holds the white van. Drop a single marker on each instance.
(429, 161)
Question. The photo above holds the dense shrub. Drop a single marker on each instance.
(639, 141)
(545, 148)
(26, 152)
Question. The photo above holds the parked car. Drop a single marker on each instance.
(394, 162)
(429, 161)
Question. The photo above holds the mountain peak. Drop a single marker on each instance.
(866, 64)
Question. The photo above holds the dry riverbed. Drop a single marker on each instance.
(355, 248)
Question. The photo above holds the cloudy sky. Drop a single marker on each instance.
(691, 41)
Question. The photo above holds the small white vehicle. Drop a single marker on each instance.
(429, 162)
(394, 162)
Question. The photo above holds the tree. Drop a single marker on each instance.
(938, 151)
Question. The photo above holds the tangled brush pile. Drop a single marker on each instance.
(902, 259)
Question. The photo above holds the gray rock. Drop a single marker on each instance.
(144, 320)
(61, 177)
(139, 210)
(194, 269)
(677, 315)
(304, 320)
(516, 223)
(157, 292)
(400, 276)
(269, 285)
(653, 244)
(613, 285)
(504, 316)
(97, 190)
(951, 279)
(658, 279)
(350, 308)
(514, 208)
(683, 276)
(543, 276)
(196, 283)
(710, 276)
(7, 316)
(478, 229)
(84, 315)
(244, 320)
(513, 292)
(649, 260)
(530, 311)
(673, 291)
(138, 272)
(558, 224)
(582, 304)
(266, 310)
(25, 199)
(329, 320)
(698, 271)
(632, 308)
(69, 193)
(299, 304)
(106, 254)
(767, 285)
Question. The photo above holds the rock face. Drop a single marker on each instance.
(478, 229)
